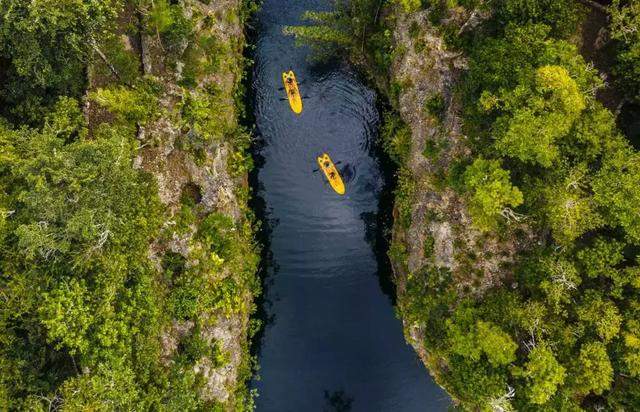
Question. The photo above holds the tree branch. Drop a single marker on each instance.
(106, 61)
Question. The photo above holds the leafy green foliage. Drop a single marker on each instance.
(354, 28)
(617, 192)
(65, 313)
(625, 20)
(536, 115)
(601, 315)
(396, 138)
(44, 47)
(483, 338)
(207, 116)
(92, 304)
(491, 192)
(543, 373)
(496, 344)
(75, 249)
(562, 15)
(241, 161)
(569, 209)
(631, 356)
(404, 197)
(601, 258)
(161, 16)
(560, 280)
(435, 105)
(410, 5)
(594, 372)
(559, 329)
(135, 106)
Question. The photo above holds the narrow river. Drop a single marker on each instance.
(332, 341)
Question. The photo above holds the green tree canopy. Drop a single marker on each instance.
(536, 115)
(560, 281)
(495, 343)
(570, 208)
(600, 314)
(632, 347)
(543, 374)
(491, 192)
(562, 15)
(46, 45)
(75, 249)
(593, 370)
(617, 192)
(625, 27)
(556, 321)
(332, 32)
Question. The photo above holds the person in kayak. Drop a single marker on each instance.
(292, 90)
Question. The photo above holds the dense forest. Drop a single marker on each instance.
(516, 243)
(127, 253)
(127, 260)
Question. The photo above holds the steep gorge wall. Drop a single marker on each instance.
(195, 148)
(436, 234)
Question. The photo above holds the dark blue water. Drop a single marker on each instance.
(332, 341)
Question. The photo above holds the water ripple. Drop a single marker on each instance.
(331, 330)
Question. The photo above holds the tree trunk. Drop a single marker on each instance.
(106, 61)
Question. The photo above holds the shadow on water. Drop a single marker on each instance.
(384, 218)
(258, 204)
(337, 401)
(330, 339)
(629, 122)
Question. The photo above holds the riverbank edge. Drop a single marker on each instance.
(431, 229)
(428, 60)
(212, 174)
(438, 236)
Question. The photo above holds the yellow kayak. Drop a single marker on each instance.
(293, 93)
(330, 171)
